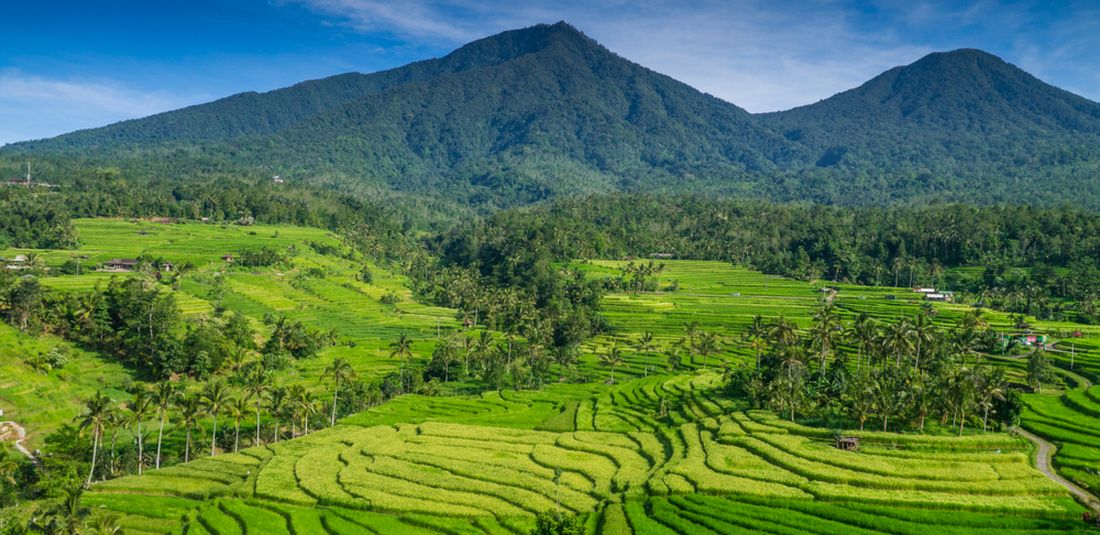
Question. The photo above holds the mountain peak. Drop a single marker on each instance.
(512, 44)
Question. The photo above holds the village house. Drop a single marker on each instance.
(119, 265)
(17, 262)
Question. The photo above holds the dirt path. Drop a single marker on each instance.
(1044, 452)
(12, 428)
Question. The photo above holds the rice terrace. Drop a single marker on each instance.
(523, 285)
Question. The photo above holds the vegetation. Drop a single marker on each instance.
(961, 126)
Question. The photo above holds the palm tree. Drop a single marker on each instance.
(757, 335)
(65, 516)
(141, 408)
(341, 372)
(115, 420)
(708, 345)
(783, 332)
(214, 398)
(401, 348)
(276, 405)
(899, 340)
(238, 408)
(190, 408)
(863, 331)
(611, 359)
(256, 384)
(692, 330)
(164, 395)
(991, 386)
(824, 330)
(483, 347)
(303, 404)
(924, 332)
(96, 411)
(104, 524)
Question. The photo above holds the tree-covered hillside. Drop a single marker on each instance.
(545, 111)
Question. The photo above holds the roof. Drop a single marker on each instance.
(122, 262)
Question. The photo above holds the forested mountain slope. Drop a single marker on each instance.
(545, 111)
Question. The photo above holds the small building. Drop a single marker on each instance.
(847, 443)
(938, 296)
(227, 257)
(167, 267)
(925, 290)
(662, 255)
(120, 264)
(17, 262)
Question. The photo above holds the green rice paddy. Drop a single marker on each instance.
(658, 452)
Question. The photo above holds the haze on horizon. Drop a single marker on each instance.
(66, 67)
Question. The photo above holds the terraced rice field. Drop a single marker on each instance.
(364, 326)
(489, 464)
(1072, 422)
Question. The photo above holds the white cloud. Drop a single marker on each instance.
(33, 107)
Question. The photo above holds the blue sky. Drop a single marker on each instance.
(66, 65)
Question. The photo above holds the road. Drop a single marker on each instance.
(1043, 453)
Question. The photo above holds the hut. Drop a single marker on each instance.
(847, 443)
(120, 264)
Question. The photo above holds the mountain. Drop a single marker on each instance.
(513, 118)
(545, 111)
(964, 103)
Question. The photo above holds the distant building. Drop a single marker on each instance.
(847, 443)
(227, 257)
(17, 262)
(662, 255)
(925, 290)
(120, 264)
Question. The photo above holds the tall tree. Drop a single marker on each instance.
(190, 408)
(341, 372)
(215, 397)
(612, 359)
(164, 396)
(140, 409)
(96, 411)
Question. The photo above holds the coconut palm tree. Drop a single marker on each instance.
(899, 340)
(302, 405)
(924, 333)
(483, 347)
(692, 331)
(256, 384)
(96, 411)
(66, 516)
(757, 335)
(991, 386)
(237, 409)
(708, 345)
(402, 349)
(215, 397)
(863, 332)
(611, 359)
(783, 332)
(164, 395)
(340, 371)
(115, 420)
(824, 331)
(277, 404)
(140, 409)
(190, 409)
